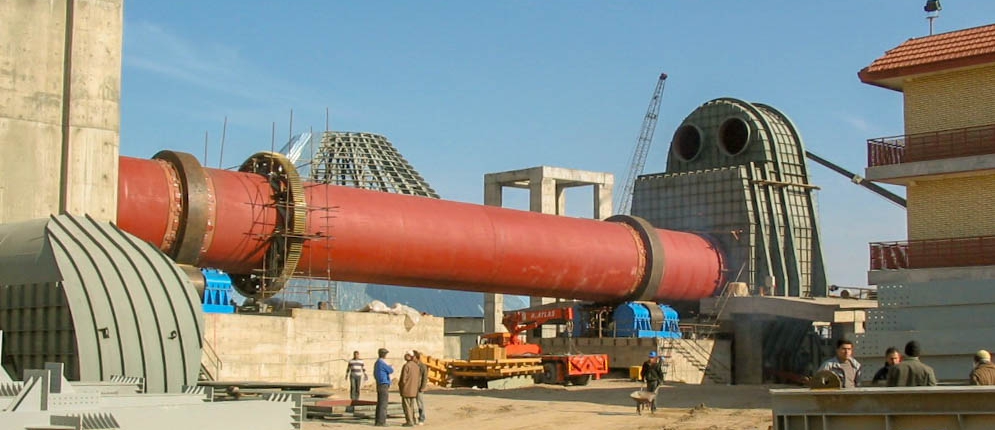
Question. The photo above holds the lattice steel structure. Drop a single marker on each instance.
(737, 172)
(368, 161)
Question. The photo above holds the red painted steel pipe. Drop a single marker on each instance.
(375, 237)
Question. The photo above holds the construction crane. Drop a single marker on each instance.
(624, 202)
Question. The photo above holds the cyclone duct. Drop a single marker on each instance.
(264, 225)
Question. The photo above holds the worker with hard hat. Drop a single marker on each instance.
(653, 375)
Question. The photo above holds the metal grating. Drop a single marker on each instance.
(766, 190)
(368, 161)
(713, 202)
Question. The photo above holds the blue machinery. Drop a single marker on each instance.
(630, 319)
(217, 292)
(646, 319)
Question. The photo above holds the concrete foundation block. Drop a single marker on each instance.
(510, 383)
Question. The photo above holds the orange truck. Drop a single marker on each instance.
(576, 369)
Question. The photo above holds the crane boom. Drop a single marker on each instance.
(642, 148)
(857, 179)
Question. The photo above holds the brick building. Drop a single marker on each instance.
(938, 287)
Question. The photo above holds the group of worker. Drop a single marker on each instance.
(899, 370)
(411, 385)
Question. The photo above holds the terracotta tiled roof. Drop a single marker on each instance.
(962, 48)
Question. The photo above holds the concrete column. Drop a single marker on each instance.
(603, 199)
(493, 313)
(561, 199)
(547, 194)
(542, 194)
(60, 119)
(544, 197)
(493, 303)
(748, 349)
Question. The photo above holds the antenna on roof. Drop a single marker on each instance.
(932, 9)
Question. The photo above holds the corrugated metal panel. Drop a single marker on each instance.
(119, 305)
(712, 202)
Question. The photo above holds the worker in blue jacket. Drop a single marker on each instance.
(381, 373)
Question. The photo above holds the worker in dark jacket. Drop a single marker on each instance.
(891, 358)
(911, 372)
(422, 387)
(408, 386)
(653, 375)
(984, 370)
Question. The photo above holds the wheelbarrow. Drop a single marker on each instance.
(644, 400)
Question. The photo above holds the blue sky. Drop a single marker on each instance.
(468, 88)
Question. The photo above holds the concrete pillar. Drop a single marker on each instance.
(748, 349)
(603, 199)
(493, 303)
(547, 194)
(544, 197)
(60, 89)
(542, 194)
(493, 313)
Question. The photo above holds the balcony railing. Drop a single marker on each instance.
(922, 254)
(961, 142)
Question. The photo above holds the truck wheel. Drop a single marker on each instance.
(549, 374)
(580, 380)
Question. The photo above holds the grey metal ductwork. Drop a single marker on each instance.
(85, 293)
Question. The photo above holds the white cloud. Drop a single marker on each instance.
(857, 122)
(154, 49)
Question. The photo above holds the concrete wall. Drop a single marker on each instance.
(681, 369)
(950, 100)
(462, 334)
(314, 345)
(60, 91)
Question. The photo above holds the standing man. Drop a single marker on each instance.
(984, 370)
(421, 387)
(653, 375)
(891, 358)
(381, 373)
(356, 372)
(844, 365)
(408, 385)
(911, 372)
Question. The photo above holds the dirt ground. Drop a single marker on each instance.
(603, 404)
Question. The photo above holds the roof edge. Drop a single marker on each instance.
(873, 78)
